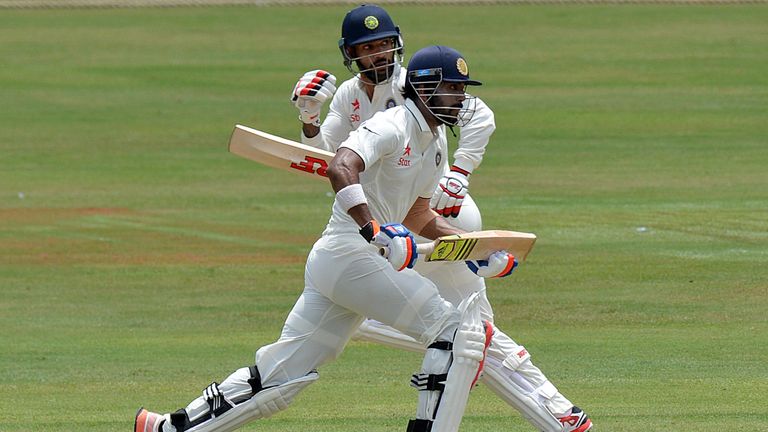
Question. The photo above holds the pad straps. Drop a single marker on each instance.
(217, 403)
(419, 425)
(428, 382)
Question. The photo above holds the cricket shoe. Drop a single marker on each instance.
(576, 421)
(147, 421)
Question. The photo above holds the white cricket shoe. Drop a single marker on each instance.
(147, 421)
(576, 421)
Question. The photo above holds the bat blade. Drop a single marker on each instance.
(281, 153)
(478, 245)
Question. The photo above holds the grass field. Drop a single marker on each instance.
(139, 261)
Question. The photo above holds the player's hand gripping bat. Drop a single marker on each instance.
(478, 245)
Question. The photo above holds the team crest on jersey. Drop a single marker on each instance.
(391, 103)
(371, 22)
(461, 65)
(438, 158)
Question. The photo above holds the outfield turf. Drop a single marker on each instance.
(139, 261)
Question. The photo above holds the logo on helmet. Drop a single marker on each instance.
(371, 22)
(461, 65)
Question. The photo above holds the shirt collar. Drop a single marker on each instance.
(414, 110)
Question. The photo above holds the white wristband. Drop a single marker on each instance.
(351, 196)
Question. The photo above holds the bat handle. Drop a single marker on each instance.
(421, 249)
(425, 248)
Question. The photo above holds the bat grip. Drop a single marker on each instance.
(425, 248)
(421, 249)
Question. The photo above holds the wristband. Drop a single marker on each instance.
(351, 196)
(466, 173)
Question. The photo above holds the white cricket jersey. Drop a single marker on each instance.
(350, 107)
(403, 161)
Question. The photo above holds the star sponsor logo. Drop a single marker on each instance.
(405, 160)
(356, 105)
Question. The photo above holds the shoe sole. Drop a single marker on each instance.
(136, 420)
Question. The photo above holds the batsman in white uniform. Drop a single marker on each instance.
(372, 48)
(385, 171)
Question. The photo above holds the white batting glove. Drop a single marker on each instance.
(397, 245)
(499, 264)
(311, 92)
(449, 193)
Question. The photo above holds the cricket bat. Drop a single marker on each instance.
(281, 153)
(477, 245)
(277, 152)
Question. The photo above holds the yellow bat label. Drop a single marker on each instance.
(452, 248)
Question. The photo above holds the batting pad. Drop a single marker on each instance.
(263, 404)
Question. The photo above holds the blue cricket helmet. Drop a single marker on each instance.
(439, 62)
(366, 23)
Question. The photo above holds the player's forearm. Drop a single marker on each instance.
(344, 174)
(474, 138)
(327, 136)
(423, 221)
(310, 130)
(438, 227)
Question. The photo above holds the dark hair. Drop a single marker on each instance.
(409, 92)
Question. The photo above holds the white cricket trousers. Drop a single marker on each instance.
(347, 280)
(455, 282)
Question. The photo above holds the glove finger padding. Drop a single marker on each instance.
(449, 194)
(317, 84)
(499, 264)
(402, 253)
(309, 94)
(399, 244)
(319, 90)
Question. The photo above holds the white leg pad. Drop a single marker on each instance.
(374, 331)
(468, 352)
(517, 392)
(263, 404)
(501, 378)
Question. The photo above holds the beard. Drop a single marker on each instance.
(379, 73)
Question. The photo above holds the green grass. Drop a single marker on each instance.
(144, 261)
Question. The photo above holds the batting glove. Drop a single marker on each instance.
(450, 193)
(397, 245)
(499, 264)
(311, 92)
